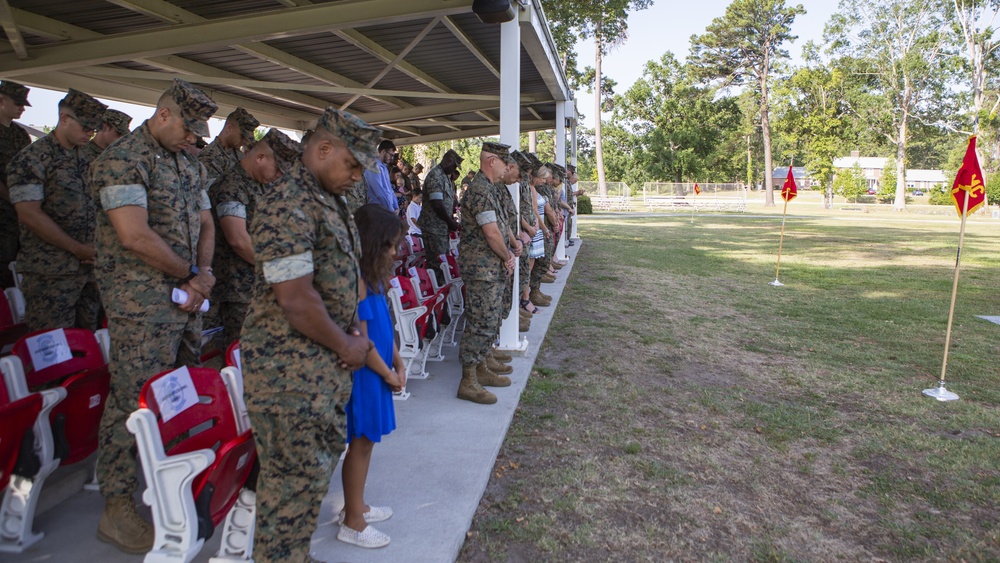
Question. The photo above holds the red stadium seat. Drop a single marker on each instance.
(202, 479)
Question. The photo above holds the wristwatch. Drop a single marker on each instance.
(194, 272)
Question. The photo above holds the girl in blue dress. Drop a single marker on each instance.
(370, 413)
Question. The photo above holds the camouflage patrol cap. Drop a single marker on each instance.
(87, 110)
(523, 162)
(362, 139)
(536, 164)
(119, 120)
(196, 108)
(247, 123)
(571, 169)
(498, 149)
(16, 92)
(454, 155)
(285, 149)
(557, 170)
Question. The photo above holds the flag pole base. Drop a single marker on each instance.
(940, 393)
(776, 283)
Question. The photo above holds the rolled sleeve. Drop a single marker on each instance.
(436, 196)
(27, 192)
(113, 197)
(486, 217)
(206, 203)
(232, 209)
(288, 268)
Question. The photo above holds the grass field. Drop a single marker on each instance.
(682, 409)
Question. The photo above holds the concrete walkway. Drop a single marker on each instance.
(432, 470)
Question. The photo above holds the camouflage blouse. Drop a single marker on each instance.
(299, 230)
(136, 170)
(480, 207)
(235, 194)
(57, 177)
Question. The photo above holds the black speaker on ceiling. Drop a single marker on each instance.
(493, 11)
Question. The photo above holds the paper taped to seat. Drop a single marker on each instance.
(175, 393)
(48, 349)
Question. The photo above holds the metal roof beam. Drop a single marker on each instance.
(55, 29)
(148, 94)
(227, 31)
(119, 72)
(536, 39)
(165, 11)
(12, 31)
(491, 131)
(398, 58)
(467, 41)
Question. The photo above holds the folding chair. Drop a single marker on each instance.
(12, 325)
(233, 355)
(202, 480)
(435, 298)
(456, 297)
(413, 323)
(16, 438)
(36, 457)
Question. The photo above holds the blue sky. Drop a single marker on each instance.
(666, 26)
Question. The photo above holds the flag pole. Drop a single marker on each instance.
(939, 392)
(694, 202)
(781, 239)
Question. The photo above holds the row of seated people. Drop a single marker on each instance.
(192, 431)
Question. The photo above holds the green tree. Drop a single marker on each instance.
(683, 130)
(742, 47)
(606, 22)
(887, 183)
(850, 184)
(900, 46)
(810, 109)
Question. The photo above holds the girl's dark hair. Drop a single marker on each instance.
(380, 230)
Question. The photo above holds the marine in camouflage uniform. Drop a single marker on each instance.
(356, 196)
(526, 207)
(306, 249)
(114, 126)
(49, 190)
(13, 138)
(148, 175)
(224, 152)
(439, 199)
(234, 202)
(511, 221)
(484, 274)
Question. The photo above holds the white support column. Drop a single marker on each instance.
(510, 134)
(561, 160)
(575, 154)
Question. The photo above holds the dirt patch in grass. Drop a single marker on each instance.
(680, 413)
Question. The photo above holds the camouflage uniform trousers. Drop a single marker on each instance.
(297, 448)
(63, 301)
(138, 352)
(483, 299)
(233, 315)
(435, 244)
(542, 265)
(506, 302)
(525, 271)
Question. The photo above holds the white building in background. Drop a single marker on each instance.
(873, 167)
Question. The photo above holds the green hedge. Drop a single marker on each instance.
(583, 205)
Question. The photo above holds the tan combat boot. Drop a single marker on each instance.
(524, 325)
(122, 526)
(523, 313)
(496, 367)
(538, 299)
(501, 356)
(548, 278)
(488, 378)
(470, 389)
(558, 265)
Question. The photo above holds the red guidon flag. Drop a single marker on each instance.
(697, 190)
(789, 191)
(969, 182)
